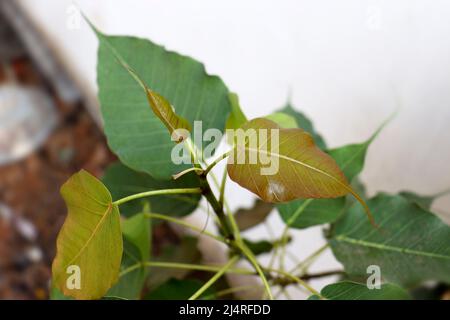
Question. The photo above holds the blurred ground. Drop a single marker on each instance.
(31, 209)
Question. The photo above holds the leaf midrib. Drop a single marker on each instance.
(348, 188)
(109, 209)
(390, 248)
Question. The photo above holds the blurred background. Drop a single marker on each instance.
(346, 64)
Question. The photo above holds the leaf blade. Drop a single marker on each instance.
(350, 158)
(304, 123)
(322, 169)
(133, 131)
(98, 247)
(237, 117)
(137, 245)
(165, 112)
(348, 290)
(405, 256)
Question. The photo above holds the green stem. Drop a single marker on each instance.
(214, 278)
(182, 173)
(213, 164)
(222, 186)
(218, 209)
(185, 266)
(310, 259)
(155, 193)
(226, 207)
(298, 280)
(193, 151)
(308, 276)
(291, 220)
(251, 258)
(228, 291)
(184, 224)
(197, 267)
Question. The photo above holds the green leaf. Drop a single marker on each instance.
(133, 131)
(90, 239)
(137, 242)
(184, 252)
(123, 181)
(131, 283)
(259, 247)
(137, 230)
(410, 246)
(248, 218)
(284, 120)
(347, 290)
(304, 123)
(351, 157)
(423, 201)
(297, 168)
(175, 289)
(236, 118)
(303, 213)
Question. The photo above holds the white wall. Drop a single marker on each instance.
(349, 64)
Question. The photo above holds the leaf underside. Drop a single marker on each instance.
(304, 171)
(347, 290)
(133, 131)
(410, 246)
(350, 159)
(90, 238)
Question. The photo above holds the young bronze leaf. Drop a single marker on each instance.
(296, 167)
(89, 245)
(305, 213)
(165, 112)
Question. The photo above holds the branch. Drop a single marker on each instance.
(309, 276)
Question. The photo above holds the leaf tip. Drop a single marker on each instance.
(97, 32)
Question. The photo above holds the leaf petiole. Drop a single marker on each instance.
(297, 280)
(216, 161)
(182, 173)
(251, 258)
(186, 266)
(156, 193)
(184, 224)
(214, 278)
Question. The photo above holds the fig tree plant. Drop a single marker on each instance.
(153, 103)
